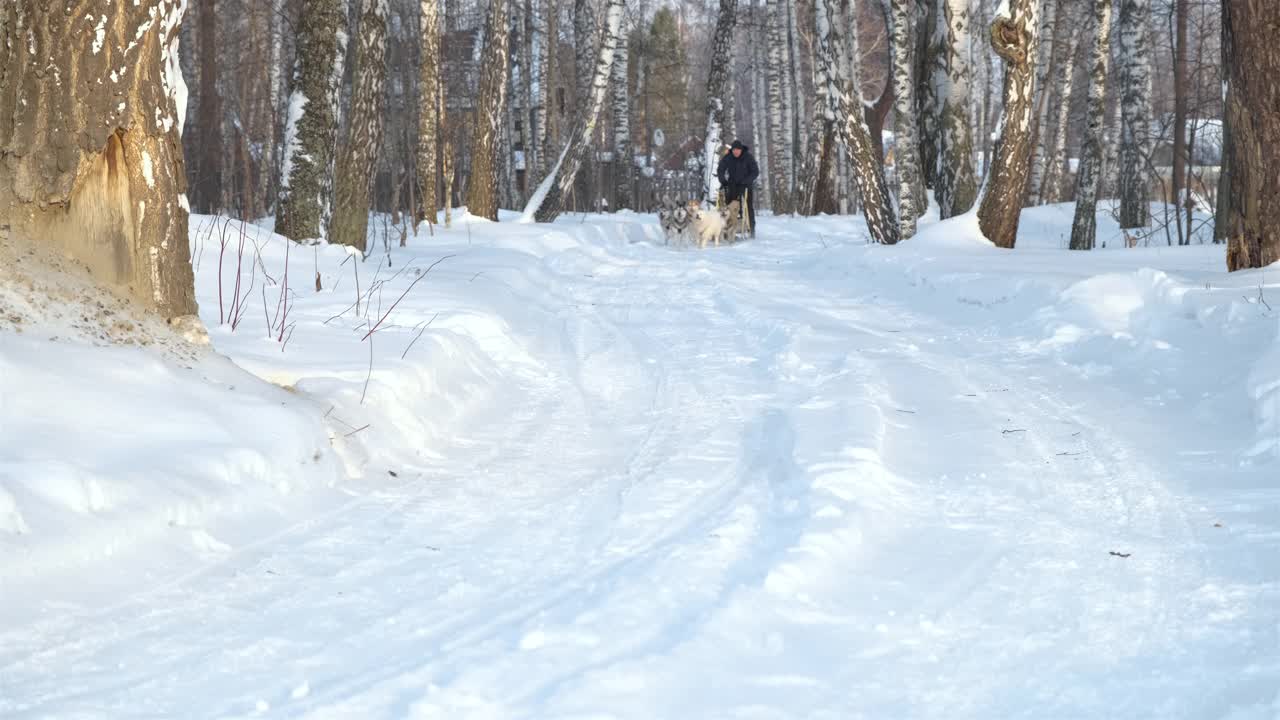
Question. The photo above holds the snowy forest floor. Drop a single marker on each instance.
(575, 473)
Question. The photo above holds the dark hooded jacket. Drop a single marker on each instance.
(740, 171)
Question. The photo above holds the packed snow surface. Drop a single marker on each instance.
(571, 472)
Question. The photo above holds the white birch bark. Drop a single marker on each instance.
(781, 114)
(957, 184)
(623, 164)
(840, 97)
(904, 19)
(1013, 37)
(1084, 228)
(718, 103)
(545, 203)
(1135, 98)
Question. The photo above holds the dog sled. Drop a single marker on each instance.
(695, 224)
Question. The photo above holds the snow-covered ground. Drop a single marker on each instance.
(573, 473)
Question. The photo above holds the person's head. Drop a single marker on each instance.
(737, 148)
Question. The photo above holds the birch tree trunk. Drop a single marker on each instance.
(1180, 90)
(841, 97)
(904, 20)
(275, 90)
(799, 120)
(1084, 229)
(428, 111)
(586, 32)
(1052, 44)
(781, 114)
(207, 192)
(491, 99)
(957, 186)
(92, 147)
(1135, 113)
(623, 164)
(1252, 62)
(759, 103)
(359, 155)
(717, 97)
(545, 44)
(931, 81)
(311, 128)
(545, 204)
(1013, 37)
(1053, 187)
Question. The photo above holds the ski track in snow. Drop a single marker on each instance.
(741, 483)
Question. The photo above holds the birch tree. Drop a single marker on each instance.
(545, 203)
(780, 111)
(840, 97)
(1135, 113)
(1084, 228)
(1052, 184)
(428, 110)
(544, 44)
(359, 154)
(92, 109)
(718, 96)
(491, 98)
(311, 127)
(1013, 37)
(957, 184)
(623, 165)
(904, 20)
(1050, 57)
(1252, 60)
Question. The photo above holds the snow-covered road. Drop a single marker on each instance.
(756, 482)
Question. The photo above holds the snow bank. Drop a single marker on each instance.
(1143, 317)
(120, 443)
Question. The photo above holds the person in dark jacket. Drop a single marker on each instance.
(738, 171)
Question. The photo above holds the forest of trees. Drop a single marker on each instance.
(320, 112)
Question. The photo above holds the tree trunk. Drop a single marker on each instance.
(482, 189)
(359, 157)
(90, 138)
(623, 164)
(311, 129)
(1084, 229)
(903, 25)
(545, 47)
(586, 32)
(781, 117)
(839, 94)
(1053, 182)
(1180, 90)
(799, 120)
(957, 186)
(1050, 57)
(545, 204)
(930, 57)
(717, 97)
(1252, 61)
(1223, 207)
(1135, 98)
(429, 110)
(207, 192)
(1013, 37)
(759, 44)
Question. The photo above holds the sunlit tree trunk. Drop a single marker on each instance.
(359, 155)
(1084, 228)
(547, 200)
(491, 99)
(311, 127)
(839, 94)
(957, 185)
(1013, 37)
(91, 143)
(1251, 58)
